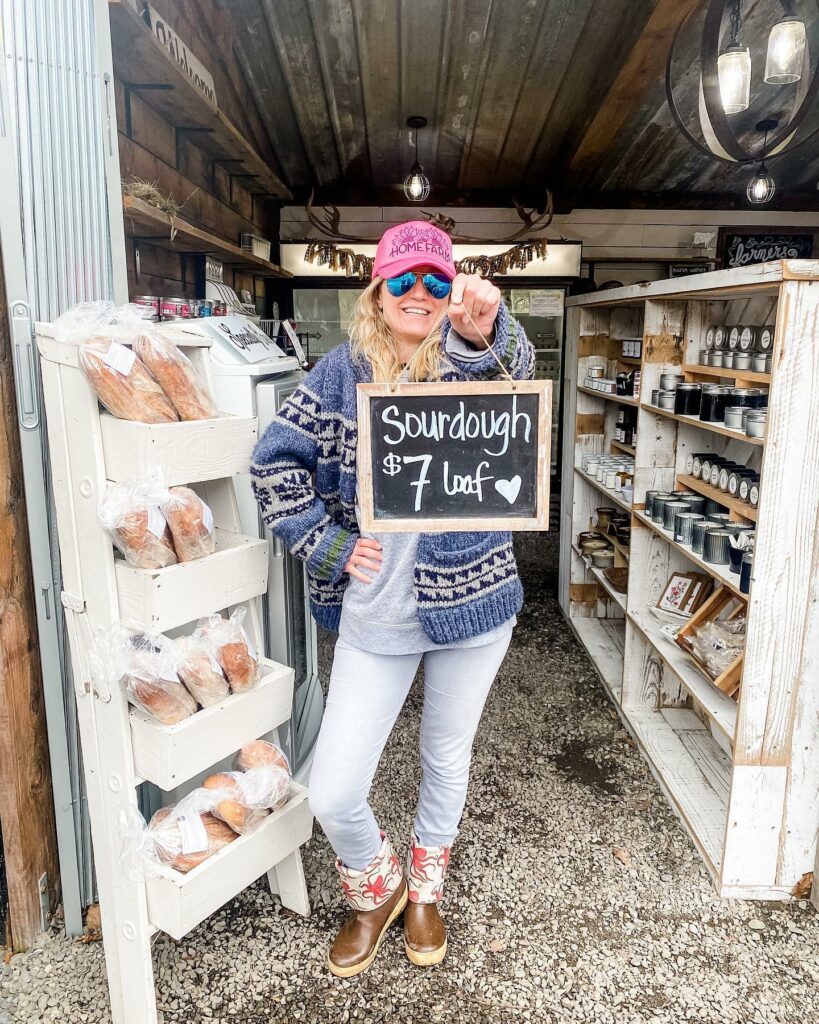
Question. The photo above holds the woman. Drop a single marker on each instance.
(394, 598)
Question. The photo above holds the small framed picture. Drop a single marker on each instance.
(676, 594)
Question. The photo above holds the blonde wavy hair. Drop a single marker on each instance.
(370, 337)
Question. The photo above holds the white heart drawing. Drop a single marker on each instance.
(510, 489)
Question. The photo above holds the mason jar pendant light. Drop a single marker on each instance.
(761, 187)
(416, 183)
(786, 49)
(734, 68)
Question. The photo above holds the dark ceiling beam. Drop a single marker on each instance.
(643, 67)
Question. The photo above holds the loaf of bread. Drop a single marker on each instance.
(239, 665)
(233, 807)
(167, 701)
(269, 764)
(191, 524)
(200, 673)
(167, 836)
(123, 382)
(176, 375)
(259, 754)
(136, 537)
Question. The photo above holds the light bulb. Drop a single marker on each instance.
(761, 187)
(786, 51)
(734, 71)
(416, 185)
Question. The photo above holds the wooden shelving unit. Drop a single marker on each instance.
(146, 67)
(618, 446)
(146, 222)
(607, 493)
(742, 775)
(620, 399)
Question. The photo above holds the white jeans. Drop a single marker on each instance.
(366, 693)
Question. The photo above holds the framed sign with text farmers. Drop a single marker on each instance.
(435, 457)
(740, 247)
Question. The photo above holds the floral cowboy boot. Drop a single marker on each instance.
(424, 931)
(377, 896)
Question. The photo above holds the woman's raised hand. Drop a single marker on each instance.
(473, 296)
(366, 554)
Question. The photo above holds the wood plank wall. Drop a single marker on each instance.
(151, 149)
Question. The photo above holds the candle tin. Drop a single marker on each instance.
(742, 360)
(765, 339)
(715, 397)
(761, 363)
(684, 526)
(658, 506)
(716, 466)
(747, 480)
(735, 529)
(712, 507)
(704, 356)
(696, 468)
(734, 416)
(588, 546)
(728, 360)
(604, 515)
(724, 474)
(716, 544)
(756, 422)
(733, 338)
(698, 531)
(670, 509)
(667, 400)
(745, 572)
(669, 381)
(735, 559)
(753, 494)
(720, 519)
(716, 357)
(611, 479)
(709, 337)
(734, 480)
(603, 559)
(720, 336)
(655, 396)
(687, 399)
(747, 338)
(697, 503)
(596, 372)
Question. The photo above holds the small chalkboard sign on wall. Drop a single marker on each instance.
(436, 457)
(741, 247)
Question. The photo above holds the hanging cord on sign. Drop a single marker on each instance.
(489, 347)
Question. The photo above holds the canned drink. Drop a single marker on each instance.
(176, 306)
(149, 301)
(205, 308)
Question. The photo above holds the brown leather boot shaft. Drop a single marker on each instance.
(424, 934)
(356, 944)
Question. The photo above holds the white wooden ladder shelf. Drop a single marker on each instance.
(121, 746)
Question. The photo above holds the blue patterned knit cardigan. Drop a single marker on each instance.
(304, 476)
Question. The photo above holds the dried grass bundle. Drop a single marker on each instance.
(149, 193)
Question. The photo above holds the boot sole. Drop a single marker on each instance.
(351, 972)
(427, 959)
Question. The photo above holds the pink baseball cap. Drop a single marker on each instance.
(415, 243)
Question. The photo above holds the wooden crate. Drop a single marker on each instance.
(721, 606)
(169, 755)
(177, 903)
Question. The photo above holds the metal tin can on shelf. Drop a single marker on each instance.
(715, 397)
(716, 357)
(765, 339)
(735, 529)
(720, 336)
(696, 468)
(149, 302)
(178, 307)
(734, 417)
(745, 572)
(655, 396)
(704, 357)
(596, 372)
(670, 509)
(742, 360)
(747, 480)
(684, 526)
(716, 466)
(747, 338)
(712, 507)
(658, 506)
(724, 474)
(715, 547)
(753, 494)
(687, 399)
(756, 422)
(728, 360)
(698, 531)
(669, 381)
(649, 501)
(697, 502)
(709, 337)
(733, 338)
(667, 400)
(734, 480)
(761, 362)
(720, 519)
(206, 307)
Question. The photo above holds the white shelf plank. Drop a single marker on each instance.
(719, 706)
(615, 595)
(720, 572)
(603, 640)
(620, 399)
(611, 495)
(711, 428)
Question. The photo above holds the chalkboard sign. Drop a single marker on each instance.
(741, 248)
(454, 456)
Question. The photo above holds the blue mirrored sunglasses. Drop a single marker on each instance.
(437, 285)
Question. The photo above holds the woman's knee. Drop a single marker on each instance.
(331, 803)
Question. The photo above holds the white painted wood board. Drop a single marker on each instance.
(753, 825)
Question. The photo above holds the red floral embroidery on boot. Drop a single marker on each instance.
(426, 868)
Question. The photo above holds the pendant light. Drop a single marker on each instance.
(761, 187)
(416, 183)
(786, 49)
(734, 68)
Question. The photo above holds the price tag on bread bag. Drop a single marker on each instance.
(157, 523)
(192, 833)
(119, 358)
(442, 456)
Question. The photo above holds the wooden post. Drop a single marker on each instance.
(26, 802)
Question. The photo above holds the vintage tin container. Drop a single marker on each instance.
(684, 526)
(715, 547)
(671, 509)
(756, 422)
(687, 399)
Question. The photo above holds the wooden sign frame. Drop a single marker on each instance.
(422, 524)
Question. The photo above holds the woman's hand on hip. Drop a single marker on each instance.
(473, 296)
(366, 554)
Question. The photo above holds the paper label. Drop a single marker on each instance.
(546, 303)
(214, 664)
(207, 518)
(119, 358)
(192, 833)
(156, 521)
(250, 646)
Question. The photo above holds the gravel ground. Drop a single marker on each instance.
(545, 923)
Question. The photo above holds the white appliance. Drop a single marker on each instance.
(252, 377)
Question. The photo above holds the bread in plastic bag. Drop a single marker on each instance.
(260, 754)
(145, 665)
(200, 672)
(176, 375)
(191, 524)
(232, 648)
(132, 513)
(719, 643)
(250, 795)
(168, 825)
